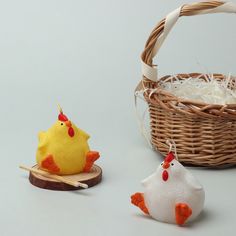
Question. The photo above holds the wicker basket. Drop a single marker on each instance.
(204, 134)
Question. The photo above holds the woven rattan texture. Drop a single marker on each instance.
(204, 134)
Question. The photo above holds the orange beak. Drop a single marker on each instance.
(68, 123)
(166, 165)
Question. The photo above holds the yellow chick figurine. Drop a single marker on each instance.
(63, 149)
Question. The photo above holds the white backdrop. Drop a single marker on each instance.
(85, 56)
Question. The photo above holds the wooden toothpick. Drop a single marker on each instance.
(55, 177)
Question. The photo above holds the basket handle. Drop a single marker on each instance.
(161, 31)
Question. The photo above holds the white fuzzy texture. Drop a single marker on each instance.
(161, 196)
(209, 91)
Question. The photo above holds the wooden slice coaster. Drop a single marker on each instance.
(92, 178)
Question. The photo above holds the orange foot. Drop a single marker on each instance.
(138, 200)
(91, 157)
(182, 213)
(49, 164)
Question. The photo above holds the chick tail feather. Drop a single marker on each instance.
(138, 200)
(91, 157)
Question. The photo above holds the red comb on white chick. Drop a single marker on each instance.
(169, 157)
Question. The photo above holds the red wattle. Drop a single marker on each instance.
(165, 175)
(71, 132)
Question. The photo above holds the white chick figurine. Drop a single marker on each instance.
(172, 194)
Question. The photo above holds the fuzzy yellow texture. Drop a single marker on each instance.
(69, 153)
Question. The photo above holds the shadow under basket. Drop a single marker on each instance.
(204, 134)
